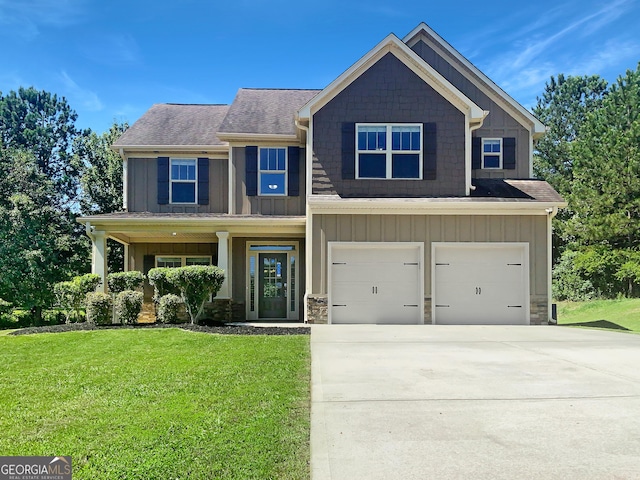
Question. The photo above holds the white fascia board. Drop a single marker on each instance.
(402, 207)
(253, 137)
(392, 44)
(187, 221)
(181, 148)
(539, 128)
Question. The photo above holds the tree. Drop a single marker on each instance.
(43, 124)
(37, 244)
(101, 181)
(605, 189)
(563, 107)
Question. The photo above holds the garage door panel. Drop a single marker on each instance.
(376, 284)
(483, 284)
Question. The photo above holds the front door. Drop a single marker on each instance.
(272, 285)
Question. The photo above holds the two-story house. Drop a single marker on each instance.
(400, 193)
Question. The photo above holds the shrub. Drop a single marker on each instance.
(569, 282)
(168, 308)
(161, 285)
(87, 283)
(5, 307)
(121, 281)
(196, 283)
(127, 306)
(71, 295)
(98, 308)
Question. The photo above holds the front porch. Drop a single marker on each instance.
(262, 256)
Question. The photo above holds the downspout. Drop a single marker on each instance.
(472, 128)
(308, 242)
(125, 181)
(551, 213)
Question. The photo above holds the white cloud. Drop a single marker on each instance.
(24, 18)
(612, 53)
(81, 96)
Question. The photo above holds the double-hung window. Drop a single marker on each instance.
(389, 151)
(491, 153)
(272, 171)
(183, 180)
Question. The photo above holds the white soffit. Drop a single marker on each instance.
(392, 44)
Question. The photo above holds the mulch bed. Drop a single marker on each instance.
(223, 329)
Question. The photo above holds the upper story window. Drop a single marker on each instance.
(272, 173)
(491, 153)
(389, 151)
(183, 180)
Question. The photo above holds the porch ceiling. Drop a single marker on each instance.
(146, 227)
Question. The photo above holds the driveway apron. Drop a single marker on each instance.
(474, 402)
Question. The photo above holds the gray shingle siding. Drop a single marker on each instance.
(498, 124)
(389, 92)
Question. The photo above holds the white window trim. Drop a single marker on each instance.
(389, 151)
(183, 258)
(285, 172)
(292, 313)
(172, 181)
(492, 153)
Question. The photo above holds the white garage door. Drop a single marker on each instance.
(480, 283)
(376, 283)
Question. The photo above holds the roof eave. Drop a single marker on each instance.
(538, 129)
(412, 60)
(195, 148)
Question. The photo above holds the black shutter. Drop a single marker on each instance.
(293, 154)
(163, 180)
(476, 153)
(348, 150)
(203, 181)
(251, 170)
(509, 153)
(430, 150)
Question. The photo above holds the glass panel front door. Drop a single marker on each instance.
(272, 289)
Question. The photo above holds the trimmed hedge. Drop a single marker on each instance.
(99, 308)
(128, 305)
(158, 279)
(168, 309)
(121, 281)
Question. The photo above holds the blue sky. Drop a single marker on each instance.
(113, 59)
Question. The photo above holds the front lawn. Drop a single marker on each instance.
(158, 404)
(622, 314)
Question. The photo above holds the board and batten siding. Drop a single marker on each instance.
(498, 124)
(266, 205)
(142, 191)
(531, 229)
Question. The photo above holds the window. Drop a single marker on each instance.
(389, 151)
(182, 261)
(491, 153)
(272, 171)
(183, 180)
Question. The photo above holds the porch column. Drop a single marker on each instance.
(99, 258)
(224, 263)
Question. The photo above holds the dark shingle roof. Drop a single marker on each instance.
(173, 124)
(528, 189)
(265, 111)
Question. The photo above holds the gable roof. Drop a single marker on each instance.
(392, 44)
(169, 124)
(538, 128)
(264, 111)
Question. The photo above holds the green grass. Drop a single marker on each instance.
(163, 404)
(622, 314)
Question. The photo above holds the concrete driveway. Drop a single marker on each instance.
(474, 402)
